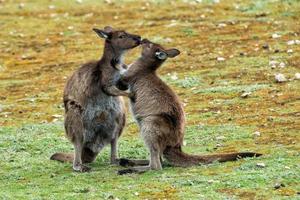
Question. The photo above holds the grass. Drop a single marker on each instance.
(42, 43)
(27, 171)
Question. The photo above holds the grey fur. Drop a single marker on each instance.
(94, 118)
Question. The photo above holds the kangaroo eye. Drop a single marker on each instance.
(122, 36)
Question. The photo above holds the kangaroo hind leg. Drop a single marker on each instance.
(77, 163)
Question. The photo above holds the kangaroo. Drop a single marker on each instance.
(94, 118)
(159, 113)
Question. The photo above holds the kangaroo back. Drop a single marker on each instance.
(176, 157)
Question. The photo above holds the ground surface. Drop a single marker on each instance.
(43, 42)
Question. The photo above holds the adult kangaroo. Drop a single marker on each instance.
(160, 115)
(94, 118)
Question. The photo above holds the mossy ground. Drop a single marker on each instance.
(43, 42)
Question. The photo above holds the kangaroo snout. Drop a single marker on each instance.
(137, 38)
(145, 41)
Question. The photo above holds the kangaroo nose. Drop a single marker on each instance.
(145, 41)
(137, 38)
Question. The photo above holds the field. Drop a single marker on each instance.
(225, 76)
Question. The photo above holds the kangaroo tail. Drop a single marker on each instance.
(63, 157)
(176, 157)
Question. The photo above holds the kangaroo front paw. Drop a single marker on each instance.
(124, 162)
(81, 168)
(125, 171)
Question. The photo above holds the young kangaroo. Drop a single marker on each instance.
(93, 118)
(159, 113)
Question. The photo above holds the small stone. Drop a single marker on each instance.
(24, 57)
(219, 145)
(280, 78)
(275, 36)
(168, 40)
(136, 194)
(256, 133)
(286, 167)
(79, 1)
(47, 41)
(221, 25)
(210, 181)
(291, 42)
(89, 15)
(297, 41)
(51, 7)
(278, 185)
(261, 165)
(297, 76)
(273, 62)
(245, 94)
(70, 27)
(108, 1)
(220, 59)
(21, 35)
(52, 15)
(220, 138)
(21, 5)
(57, 116)
(282, 65)
(174, 77)
(173, 23)
(289, 51)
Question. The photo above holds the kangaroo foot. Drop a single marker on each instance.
(81, 168)
(124, 162)
(139, 170)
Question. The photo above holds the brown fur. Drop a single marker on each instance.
(94, 118)
(160, 114)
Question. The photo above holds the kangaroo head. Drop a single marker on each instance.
(155, 53)
(119, 39)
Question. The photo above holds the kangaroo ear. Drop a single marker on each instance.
(161, 55)
(108, 29)
(102, 33)
(172, 52)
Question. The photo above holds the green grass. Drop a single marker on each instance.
(232, 89)
(26, 171)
